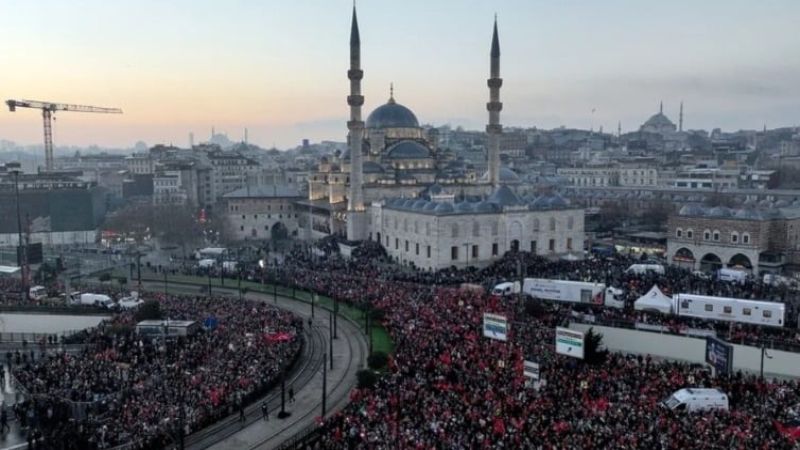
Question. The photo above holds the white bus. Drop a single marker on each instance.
(756, 312)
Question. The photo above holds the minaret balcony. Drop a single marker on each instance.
(495, 82)
(355, 74)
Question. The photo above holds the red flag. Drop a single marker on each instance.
(499, 426)
(789, 431)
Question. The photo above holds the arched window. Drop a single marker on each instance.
(552, 224)
(716, 235)
(734, 237)
(476, 229)
(416, 227)
(679, 233)
(494, 228)
(455, 230)
(690, 234)
(745, 238)
(706, 235)
(570, 222)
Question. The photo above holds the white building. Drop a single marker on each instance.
(439, 233)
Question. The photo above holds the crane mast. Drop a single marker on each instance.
(48, 108)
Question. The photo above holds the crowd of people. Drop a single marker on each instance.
(450, 387)
(126, 387)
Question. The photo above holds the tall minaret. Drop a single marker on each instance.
(494, 129)
(356, 216)
(680, 119)
(661, 107)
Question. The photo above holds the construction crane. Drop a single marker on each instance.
(48, 109)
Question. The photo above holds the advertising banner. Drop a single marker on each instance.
(569, 342)
(495, 326)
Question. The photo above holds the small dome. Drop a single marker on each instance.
(408, 150)
(781, 204)
(691, 210)
(719, 211)
(371, 167)
(430, 206)
(765, 203)
(540, 203)
(419, 204)
(444, 208)
(485, 207)
(504, 196)
(409, 203)
(464, 207)
(392, 115)
(557, 201)
(748, 213)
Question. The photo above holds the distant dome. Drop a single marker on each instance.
(557, 201)
(540, 203)
(504, 196)
(781, 204)
(419, 204)
(464, 207)
(408, 150)
(392, 115)
(658, 120)
(409, 203)
(430, 206)
(506, 176)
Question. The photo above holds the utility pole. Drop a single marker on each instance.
(324, 382)
(22, 249)
(139, 268)
(335, 317)
(312, 304)
(166, 290)
(330, 337)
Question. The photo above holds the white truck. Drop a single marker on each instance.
(573, 292)
(89, 299)
(697, 399)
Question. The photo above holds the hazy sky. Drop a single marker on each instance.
(279, 67)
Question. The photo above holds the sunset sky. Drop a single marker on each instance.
(279, 67)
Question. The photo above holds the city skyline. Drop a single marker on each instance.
(185, 67)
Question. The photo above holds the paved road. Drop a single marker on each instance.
(349, 356)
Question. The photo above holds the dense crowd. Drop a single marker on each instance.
(449, 387)
(125, 387)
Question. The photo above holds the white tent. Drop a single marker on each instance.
(654, 300)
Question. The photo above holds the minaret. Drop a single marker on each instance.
(661, 107)
(619, 129)
(680, 119)
(356, 216)
(494, 129)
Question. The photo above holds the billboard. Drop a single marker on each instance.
(495, 326)
(531, 370)
(719, 354)
(569, 342)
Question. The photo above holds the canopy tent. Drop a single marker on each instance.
(654, 300)
(9, 270)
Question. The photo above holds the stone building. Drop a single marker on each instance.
(263, 212)
(437, 232)
(760, 241)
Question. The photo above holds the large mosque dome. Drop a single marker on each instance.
(392, 115)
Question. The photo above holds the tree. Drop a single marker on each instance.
(366, 379)
(149, 310)
(593, 343)
(378, 360)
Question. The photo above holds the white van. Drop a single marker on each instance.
(697, 399)
(732, 275)
(507, 288)
(100, 300)
(37, 293)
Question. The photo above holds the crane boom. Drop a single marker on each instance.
(48, 108)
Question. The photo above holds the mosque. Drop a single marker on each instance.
(394, 185)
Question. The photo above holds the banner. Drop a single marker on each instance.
(495, 327)
(531, 370)
(569, 342)
(719, 354)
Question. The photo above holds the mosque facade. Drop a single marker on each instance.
(394, 172)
